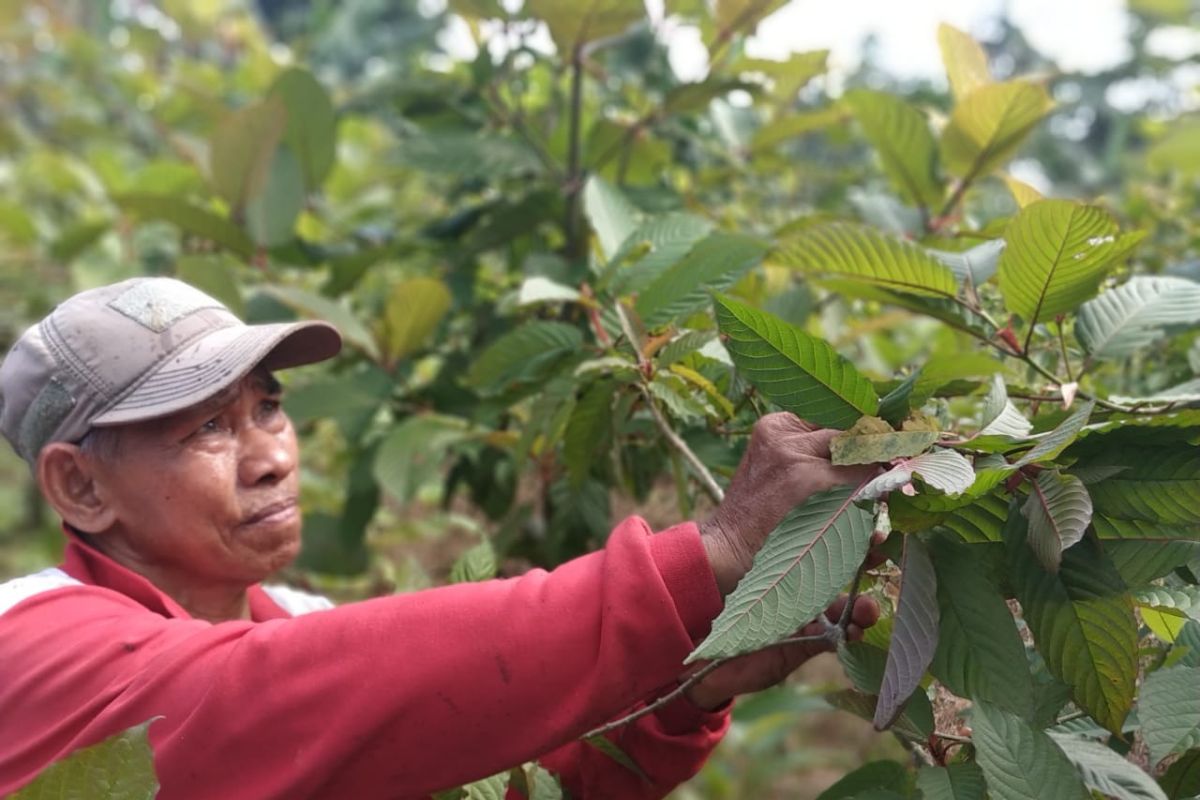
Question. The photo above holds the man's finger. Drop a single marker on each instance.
(865, 613)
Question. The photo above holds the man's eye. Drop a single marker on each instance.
(270, 405)
(211, 426)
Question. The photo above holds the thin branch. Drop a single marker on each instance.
(650, 708)
(1062, 343)
(952, 737)
(702, 474)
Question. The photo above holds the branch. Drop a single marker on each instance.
(702, 473)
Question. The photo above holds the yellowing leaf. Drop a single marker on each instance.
(989, 125)
(413, 311)
(1022, 192)
(871, 440)
(965, 62)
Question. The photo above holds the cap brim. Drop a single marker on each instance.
(217, 361)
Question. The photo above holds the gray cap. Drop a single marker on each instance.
(136, 350)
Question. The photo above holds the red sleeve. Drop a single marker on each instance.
(391, 697)
(669, 746)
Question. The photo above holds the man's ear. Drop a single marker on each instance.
(67, 477)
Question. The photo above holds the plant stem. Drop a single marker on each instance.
(1062, 343)
(702, 474)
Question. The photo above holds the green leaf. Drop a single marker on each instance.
(588, 431)
(1051, 445)
(1021, 763)
(318, 307)
(189, 218)
(714, 264)
(612, 217)
(979, 651)
(467, 154)
(121, 767)
(941, 468)
(900, 135)
(874, 775)
(768, 138)
(1169, 708)
(542, 785)
(610, 749)
(989, 124)
(864, 254)
(786, 77)
(493, 788)
(952, 782)
(654, 247)
(1082, 622)
(1059, 510)
(413, 452)
(524, 350)
(914, 634)
(871, 440)
(271, 214)
(798, 572)
(242, 148)
(1107, 771)
(1179, 150)
(311, 132)
(215, 274)
(1000, 417)
(975, 266)
(414, 308)
(1185, 599)
(798, 372)
(966, 63)
(1132, 316)
(914, 723)
(573, 25)
(476, 564)
(1058, 252)
(941, 308)
(1144, 551)
(742, 16)
(1161, 485)
(1182, 779)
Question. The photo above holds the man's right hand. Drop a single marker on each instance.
(786, 463)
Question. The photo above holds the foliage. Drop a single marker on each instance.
(121, 767)
(567, 276)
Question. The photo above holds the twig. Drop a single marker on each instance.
(952, 737)
(702, 474)
(1062, 343)
(650, 708)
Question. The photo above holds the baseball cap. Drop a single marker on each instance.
(137, 350)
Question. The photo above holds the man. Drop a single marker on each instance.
(150, 418)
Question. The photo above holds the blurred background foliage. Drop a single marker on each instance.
(310, 157)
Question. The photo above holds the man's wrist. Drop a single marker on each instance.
(726, 563)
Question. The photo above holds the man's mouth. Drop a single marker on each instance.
(273, 513)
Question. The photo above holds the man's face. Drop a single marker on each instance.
(209, 493)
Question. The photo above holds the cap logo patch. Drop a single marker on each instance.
(157, 304)
(48, 410)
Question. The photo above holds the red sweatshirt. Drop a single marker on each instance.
(389, 698)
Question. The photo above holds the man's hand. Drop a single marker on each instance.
(757, 671)
(786, 463)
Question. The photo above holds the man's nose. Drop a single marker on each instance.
(266, 456)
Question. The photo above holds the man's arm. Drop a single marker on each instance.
(397, 696)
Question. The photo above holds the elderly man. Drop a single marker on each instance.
(150, 417)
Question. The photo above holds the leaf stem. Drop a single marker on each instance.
(1062, 343)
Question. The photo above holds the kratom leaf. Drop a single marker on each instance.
(798, 372)
(651, 249)
(682, 346)
(1132, 316)
(1182, 779)
(871, 440)
(493, 788)
(975, 266)
(989, 124)
(476, 564)
(538, 289)
(523, 350)
(1106, 771)
(1021, 763)
(1185, 599)
(1022, 192)
(1169, 708)
(1058, 252)
(768, 138)
(542, 785)
(914, 635)
(1000, 417)
(588, 432)
(612, 217)
(948, 311)
(900, 135)
(786, 77)
(914, 723)
(311, 132)
(241, 150)
(965, 62)
(864, 254)
(270, 216)
(1082, 622)
(318, 307)
(189, 218)
(573, 25)
(414, 308)
(979, 652)
(413, 452)
(798, 572)
(873, 775)
(609, 748)
(742, 16)
(942, 468)
(714, 264)
(1144, 551)
(1049, 446)
(1059, 510)
(952, 782)
(1161, 485)
(121, 767)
